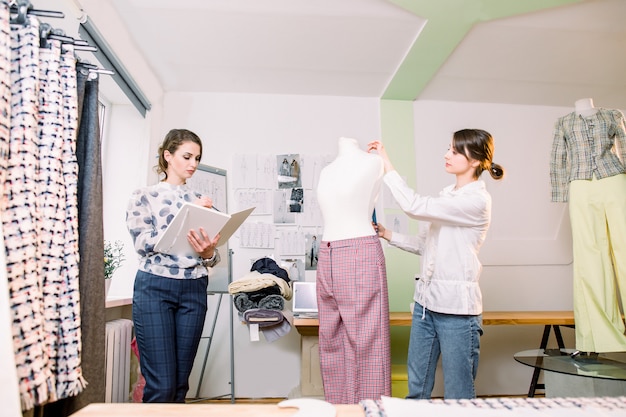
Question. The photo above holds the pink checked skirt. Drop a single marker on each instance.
(353, 303)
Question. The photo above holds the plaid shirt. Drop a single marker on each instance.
(584, 147)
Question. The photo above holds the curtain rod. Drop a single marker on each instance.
(107, 58)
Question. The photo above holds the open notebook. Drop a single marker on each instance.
(190, 216)
(304, 299)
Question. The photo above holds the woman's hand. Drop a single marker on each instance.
(378, 146)
(204, 202)
(381, 231)
(202, 243)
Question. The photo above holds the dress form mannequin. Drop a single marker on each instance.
(593, 180)
(584, 107)
(347, 191)
(352, 294)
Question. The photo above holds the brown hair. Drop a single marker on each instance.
(172, 141)
(477, 144)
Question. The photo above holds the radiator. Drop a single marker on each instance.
(119, 334)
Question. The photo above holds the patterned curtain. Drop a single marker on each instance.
(91, 239)
(51, 221)
(21, 220)
(88, 189)
(8, 377)
(59, 220)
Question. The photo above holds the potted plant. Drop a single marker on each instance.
(113, 259)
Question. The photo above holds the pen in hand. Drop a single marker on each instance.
(206, 202)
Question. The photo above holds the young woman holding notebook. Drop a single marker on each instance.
(169, 298)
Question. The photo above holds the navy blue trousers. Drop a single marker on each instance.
(168, 315)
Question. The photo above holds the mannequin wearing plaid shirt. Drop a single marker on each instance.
(586, 169)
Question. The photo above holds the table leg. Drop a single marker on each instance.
(559, 338)
(537, 371)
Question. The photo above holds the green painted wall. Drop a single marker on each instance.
(398, 136)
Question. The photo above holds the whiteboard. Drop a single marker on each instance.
(211, 182)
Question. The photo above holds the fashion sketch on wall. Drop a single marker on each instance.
(282, 211)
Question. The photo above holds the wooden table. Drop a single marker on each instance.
(200, 410)
(310, 326)
(310, 380)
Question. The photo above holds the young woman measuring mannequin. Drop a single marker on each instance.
(447, 315)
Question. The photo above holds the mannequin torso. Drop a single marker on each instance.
(584, 107)
(347, 191)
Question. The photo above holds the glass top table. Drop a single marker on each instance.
(605, 365)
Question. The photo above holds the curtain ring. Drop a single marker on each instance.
(22, 12)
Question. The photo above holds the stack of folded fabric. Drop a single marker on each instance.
(260, 296)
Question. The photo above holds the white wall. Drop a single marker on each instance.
(125, 159)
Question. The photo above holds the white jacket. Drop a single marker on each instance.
(453, 229)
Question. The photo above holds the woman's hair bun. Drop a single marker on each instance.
(496, 171)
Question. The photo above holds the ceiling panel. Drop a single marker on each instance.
(551, 58)
(347, 47)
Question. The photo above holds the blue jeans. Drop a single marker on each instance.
(456, 338)
(168, 315)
